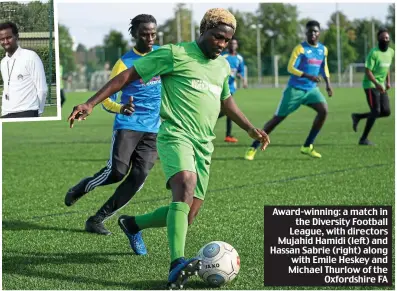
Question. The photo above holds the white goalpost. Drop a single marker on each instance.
(353, 74)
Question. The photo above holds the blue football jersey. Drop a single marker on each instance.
(308, 59)
(146, 99)
(236, 63)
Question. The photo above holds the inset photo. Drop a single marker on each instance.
(28, 75)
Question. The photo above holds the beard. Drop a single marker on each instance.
(383, 45)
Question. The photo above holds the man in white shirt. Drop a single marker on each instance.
(25, 87)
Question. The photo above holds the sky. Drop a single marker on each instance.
(88, 23)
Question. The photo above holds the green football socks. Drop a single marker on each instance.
(157, 218)
(177, 223)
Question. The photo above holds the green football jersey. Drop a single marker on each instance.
(379, 63)
(192, 89)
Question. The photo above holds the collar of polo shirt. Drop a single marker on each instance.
(15, 54)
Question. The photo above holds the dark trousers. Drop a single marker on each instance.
(379, 105)
(29, 113)
(133, 155)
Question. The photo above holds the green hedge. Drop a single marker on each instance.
(44, 55)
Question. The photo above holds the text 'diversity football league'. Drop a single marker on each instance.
(327, 246)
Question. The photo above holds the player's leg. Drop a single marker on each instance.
(229, 122)
(316, 100)
(176, 157)
(194, 209)
(123, 144)
(373, 99)
(63, 98)
(157, 218)
(384, 105)
(290, 101)
(229, 137)
(142, 161)
(175, 217)
(122, 154)
(177, 277)
(356, 117)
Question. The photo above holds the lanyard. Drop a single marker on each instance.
(9, 73)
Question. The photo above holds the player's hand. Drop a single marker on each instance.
(128, 109)
(261, 136)
(80, 112)
(388, 86)
(380, 88)
(329, 91)
(312, 78)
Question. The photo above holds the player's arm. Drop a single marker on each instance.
(294, 62)
(325, 73)
(156, 63)
(80, 112)
(371, 77)
(388, 85)
(39, 80)
(241, 73)
(230, 108)
(110, 104)
(369, 66)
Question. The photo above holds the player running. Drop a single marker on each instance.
(307, 61)
(194, 87)
(236, 63)
(376, 83)
(133, 150)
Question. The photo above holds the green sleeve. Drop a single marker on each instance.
(370, 61)
(225, 90)
(155, 63)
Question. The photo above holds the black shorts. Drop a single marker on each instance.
(377, 101)
(131, 148)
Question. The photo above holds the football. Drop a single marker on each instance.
(220, 263)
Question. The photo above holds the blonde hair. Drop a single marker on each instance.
(215, 17)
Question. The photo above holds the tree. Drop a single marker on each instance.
(66, 57)
(12, 11)
(115, 46)
(390, 21)
(364, 37)
(170, 27)
(31, 17)
(37, 17)
(344, 25)
(246, 37)
(282, 29)
(344, 22)
(348, 52)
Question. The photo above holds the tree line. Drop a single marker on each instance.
(282, 31)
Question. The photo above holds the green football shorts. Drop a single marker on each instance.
(178, 153)
(293, 98)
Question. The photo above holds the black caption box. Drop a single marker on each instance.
(327, 246)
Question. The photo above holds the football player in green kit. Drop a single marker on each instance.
(194, 89)
(376, 83)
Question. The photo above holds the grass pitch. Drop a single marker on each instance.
(44, 243)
